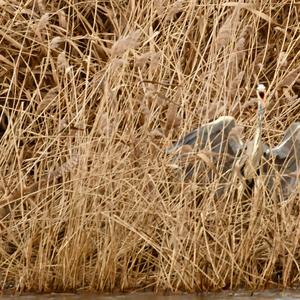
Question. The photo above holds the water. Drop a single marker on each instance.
(265, 295)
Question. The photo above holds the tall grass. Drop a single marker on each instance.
(92, 92)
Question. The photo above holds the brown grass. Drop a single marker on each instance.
(93, 92)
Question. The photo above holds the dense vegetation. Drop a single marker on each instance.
(92, 92)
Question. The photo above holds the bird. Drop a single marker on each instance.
(222, 138)
(213, 134)
(256, 148)
(282, 165)
(216, 137)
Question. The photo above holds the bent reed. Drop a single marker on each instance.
(92, 93)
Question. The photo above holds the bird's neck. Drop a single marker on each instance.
(259, 125)
(261, 113)
(256, 153)
(257, 150)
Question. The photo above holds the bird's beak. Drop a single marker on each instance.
(262, 97)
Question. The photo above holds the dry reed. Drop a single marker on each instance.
(115, 216)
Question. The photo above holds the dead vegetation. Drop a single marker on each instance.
(92, 92)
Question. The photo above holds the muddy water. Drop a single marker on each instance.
(266, 295)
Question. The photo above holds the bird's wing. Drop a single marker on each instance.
(214, 133)
(289, 148)
(283, 162)
(188, 139)
(286, 155)
(235, 143)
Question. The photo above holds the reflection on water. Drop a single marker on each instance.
(266, 295)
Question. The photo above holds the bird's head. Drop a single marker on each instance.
(261, 95)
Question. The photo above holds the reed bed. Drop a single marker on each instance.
(92, 93)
